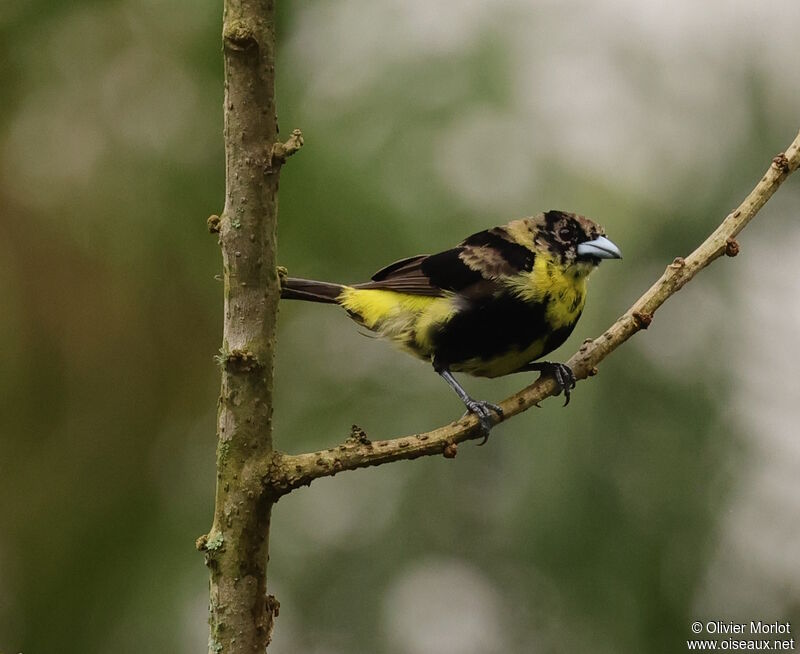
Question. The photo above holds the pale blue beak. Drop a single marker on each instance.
(599, 248)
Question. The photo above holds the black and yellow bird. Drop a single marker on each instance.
(489, 307)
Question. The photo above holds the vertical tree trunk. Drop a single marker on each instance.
(236, 548)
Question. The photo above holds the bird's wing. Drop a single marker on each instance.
(399, 268)
(471, 269)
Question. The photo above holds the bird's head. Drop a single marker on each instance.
(571, 240)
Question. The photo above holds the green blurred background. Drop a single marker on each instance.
(667, 492)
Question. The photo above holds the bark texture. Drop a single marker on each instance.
(236, 549)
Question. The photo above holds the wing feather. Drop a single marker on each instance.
(471, 269)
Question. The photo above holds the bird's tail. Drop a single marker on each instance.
(309, 290)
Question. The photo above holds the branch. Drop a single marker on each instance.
(240, 612)
(285, 472)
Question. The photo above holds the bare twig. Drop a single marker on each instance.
(283, 472)
(282, 151)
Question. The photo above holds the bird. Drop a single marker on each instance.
(491, 306)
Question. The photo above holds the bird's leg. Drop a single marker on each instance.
(565, 378)
(480, 408)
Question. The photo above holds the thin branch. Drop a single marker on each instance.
(285, 472)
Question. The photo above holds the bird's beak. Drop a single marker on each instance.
(599, 248)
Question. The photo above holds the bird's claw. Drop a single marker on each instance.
(565, 379)
(561, 372)
(483, 411)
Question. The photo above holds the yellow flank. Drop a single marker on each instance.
(436, 313)
(566, 288)
(403, 318)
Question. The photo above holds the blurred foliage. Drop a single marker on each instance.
(605, 527)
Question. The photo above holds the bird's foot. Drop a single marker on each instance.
(561, 372)
(565, 378)
(483, 411)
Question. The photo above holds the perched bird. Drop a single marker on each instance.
(488, 307)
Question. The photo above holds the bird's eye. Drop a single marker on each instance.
(565, 233)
